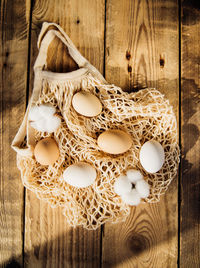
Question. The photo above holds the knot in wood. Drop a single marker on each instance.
(137, 244)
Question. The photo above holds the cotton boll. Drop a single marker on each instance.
(34, 113)
(47, 125)
(39, 125)
(47, 110)
(143, 188)
(132, 198)
(43, 118)
(134, 175)
(122, 185)
(52, 124)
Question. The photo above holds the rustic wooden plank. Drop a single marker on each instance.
(49, 241)
(142, 51)
(14, 53)
(190, 129)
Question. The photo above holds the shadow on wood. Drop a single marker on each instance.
(133, 246)
(41, 255)
(12, 263)
(136, 244)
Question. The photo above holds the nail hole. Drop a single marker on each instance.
(78, 21)
(162, 62)
(129, 68)
(128, 55)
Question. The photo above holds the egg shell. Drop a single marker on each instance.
(122, 185)
(152, 156)
(132, 198)
(46, 151)
(80, 175)
(86, 103)
(114, 141)
(134, 175)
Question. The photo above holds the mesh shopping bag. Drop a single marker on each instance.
(144, 115)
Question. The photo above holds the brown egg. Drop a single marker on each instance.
(86, 104)
(114, 141)
(46, 151)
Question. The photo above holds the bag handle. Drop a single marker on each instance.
(47, 35)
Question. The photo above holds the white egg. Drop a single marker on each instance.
(134, 175)
(152, 156)
(132, 198)
(86, 103)
(80, 175)
(142, 188)
(122, 185)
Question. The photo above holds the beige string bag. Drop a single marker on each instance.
(145, 115)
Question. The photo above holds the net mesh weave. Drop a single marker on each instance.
(145, 115)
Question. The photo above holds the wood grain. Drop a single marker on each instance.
(142, 51)
(14, 53)
(190, 129)
(49, 241)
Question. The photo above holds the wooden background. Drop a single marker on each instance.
(135, 44)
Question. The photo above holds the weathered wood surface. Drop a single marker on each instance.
(141, 41)
(142, 51)
(14, 52)
(49, 241)
(190, 135)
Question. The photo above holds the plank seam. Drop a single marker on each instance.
(180, 164)
(27, 98)
(104, 54)
(104, 72)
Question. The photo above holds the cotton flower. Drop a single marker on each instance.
(47, 110)
(143, 188)
(34, 113)
(40, 125)
(124, 187)
(132, 198)
(43, 118)
(134, 175)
